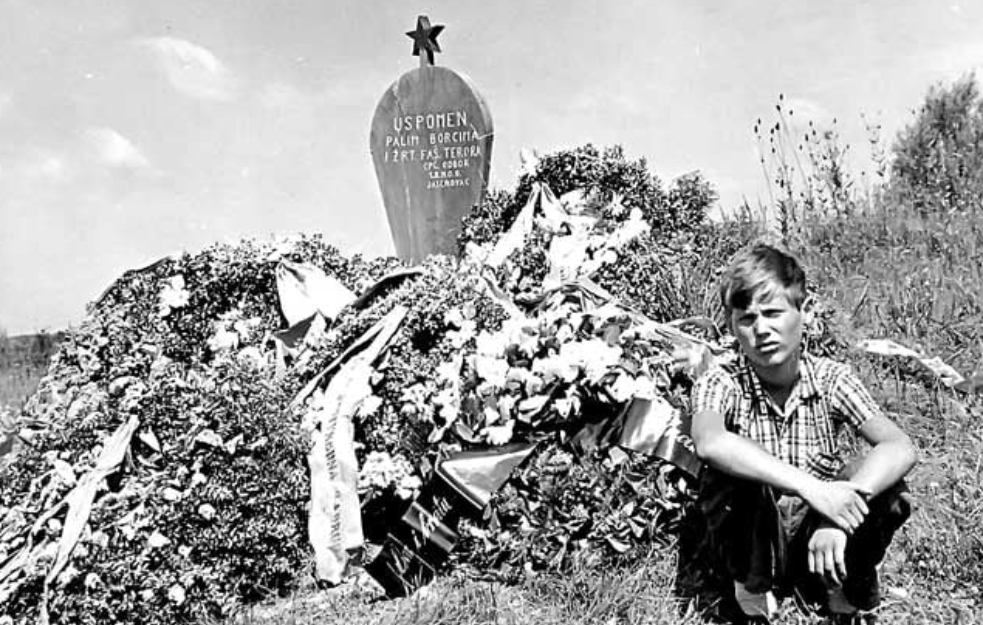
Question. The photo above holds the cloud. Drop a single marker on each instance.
(116, 150)
(192, 69)
(52, 168)
(5, 102)
(40, 166)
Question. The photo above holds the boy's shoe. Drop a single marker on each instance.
(756, 605)
(838, 604)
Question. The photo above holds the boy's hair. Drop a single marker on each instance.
(753, 268)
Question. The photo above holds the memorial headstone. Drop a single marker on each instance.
(431, 144)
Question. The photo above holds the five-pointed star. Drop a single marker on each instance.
(425, 37)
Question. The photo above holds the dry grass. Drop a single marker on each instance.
(638, 592)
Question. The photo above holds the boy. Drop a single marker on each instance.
(785, 515)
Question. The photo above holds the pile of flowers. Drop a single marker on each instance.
(163, 473)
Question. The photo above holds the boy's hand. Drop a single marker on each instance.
(827, 549)
(840, 502)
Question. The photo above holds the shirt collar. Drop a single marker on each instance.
(807, 386)
(807, 377)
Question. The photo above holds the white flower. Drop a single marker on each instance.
(499, 434)
(173, 295)
(171, 494)
(454, 317)
(622, 388)
(516, 377)
(528, 342)
(407, 486)
(448, 372)
(459, 338)
(593, 356)
(447, 398)
(616, 207)
(554, 367)
(492, 369)
(92, 581)
(206, 511)
(369, 406)
(506, 406)
(381, 471)
(68, 575)
(488, 344)
(490, 414)
(176, 594)
(564, 333)
(416, 401)
(158, 540)
(253, 357)
(244, 327)
(209, 437)
(223, 340)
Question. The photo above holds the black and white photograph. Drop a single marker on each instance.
(511, 313)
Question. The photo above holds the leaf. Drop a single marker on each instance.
(209, 438)
(64, 471)
(148, 438)
(617, 545)
(158, 540)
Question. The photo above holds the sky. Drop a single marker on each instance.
(132, 129)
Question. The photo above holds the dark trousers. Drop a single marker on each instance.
(761, 539)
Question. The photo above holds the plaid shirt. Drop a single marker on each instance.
(826, 396)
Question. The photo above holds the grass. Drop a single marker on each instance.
(636, 592)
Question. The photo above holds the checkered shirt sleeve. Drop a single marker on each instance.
(850, 401)
(715, 390)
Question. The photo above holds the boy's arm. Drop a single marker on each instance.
(840, 502)
(892, 456)
(893, 453)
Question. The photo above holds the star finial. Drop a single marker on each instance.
(425, 40)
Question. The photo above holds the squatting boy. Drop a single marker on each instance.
(787, 514)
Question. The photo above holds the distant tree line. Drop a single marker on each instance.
(27, 349)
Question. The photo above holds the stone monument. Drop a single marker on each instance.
(431, 144)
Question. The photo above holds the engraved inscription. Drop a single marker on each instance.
(443, 143)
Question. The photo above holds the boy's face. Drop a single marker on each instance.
(769, 330)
